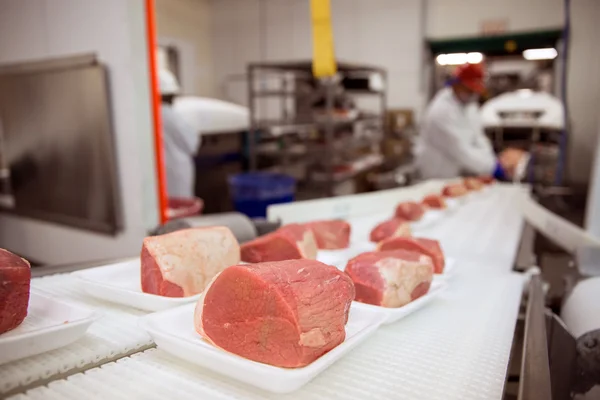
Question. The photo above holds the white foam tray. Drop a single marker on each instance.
(395, 314)
(115, 335)
(121, 283)
(50, 324)
(431, 217)
(339, 258)
(173, 331)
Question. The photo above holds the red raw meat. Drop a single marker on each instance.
(427, 247)
(473, 183)
(331, 235)
(182, 263)
(15, 278)
(487, 179)
(390, 278)
(454, 190)
(390, 228)
(410, 211)
(289, 242)
(286, 313)
(434, 201)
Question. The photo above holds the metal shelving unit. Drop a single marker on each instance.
(281, 98)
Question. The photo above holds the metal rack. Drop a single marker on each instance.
(287, 88)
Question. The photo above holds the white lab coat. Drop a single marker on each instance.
(180, 144)
(452, 141)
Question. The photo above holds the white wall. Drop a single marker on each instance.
(455, 18)
(115, 31)
(377, 32)
(583, 87)
(186, 25)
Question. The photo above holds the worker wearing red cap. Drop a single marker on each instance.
(452, 141)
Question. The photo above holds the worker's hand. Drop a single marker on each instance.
(509, 159)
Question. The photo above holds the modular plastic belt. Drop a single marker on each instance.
(487, 229)
(456, 348)
(113, 336)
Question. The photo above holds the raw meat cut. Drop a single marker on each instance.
(15, 278)
(390, 278)
(473, 183)
(410, 211)
(182, 263)
(487, 179)
(331, 235)
(285, 313)
(454, 190)
(390, 228)
(434, 201)
(289, 242)
(427, 247)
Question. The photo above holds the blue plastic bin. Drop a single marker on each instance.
(253, 192)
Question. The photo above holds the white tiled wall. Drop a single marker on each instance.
(115, 31)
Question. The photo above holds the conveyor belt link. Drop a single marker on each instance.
(456, 348)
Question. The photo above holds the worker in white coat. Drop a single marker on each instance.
(452, 141)
(180, 141)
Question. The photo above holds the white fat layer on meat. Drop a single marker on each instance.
(401, 277)
(192, 257)
(313, 338)
(308, 245)
(200, 308)
(403, 230)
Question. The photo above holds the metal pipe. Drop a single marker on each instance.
(329, 134)
(535, 367)
(161, 175)
(252, 131)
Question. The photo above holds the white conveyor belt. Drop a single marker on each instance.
(113, 336)
(456, 348)
(487, 229)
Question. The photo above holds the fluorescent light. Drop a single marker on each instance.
(474, 58)
(540, 54)
(459, 58)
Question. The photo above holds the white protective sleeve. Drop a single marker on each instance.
(455, 138)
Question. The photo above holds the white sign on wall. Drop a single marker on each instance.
(492, 27)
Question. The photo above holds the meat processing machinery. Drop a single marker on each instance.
(533, 121)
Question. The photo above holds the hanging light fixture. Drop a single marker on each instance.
(540, 54)
(459, 58)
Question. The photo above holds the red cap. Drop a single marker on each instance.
(471, 75)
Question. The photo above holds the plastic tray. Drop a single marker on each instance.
(455, 202)
(50, 324)
(339, 258)
(121, 283)
(173, 331)
(392, 315)
(430, 217)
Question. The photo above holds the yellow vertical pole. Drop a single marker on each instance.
(324, 64)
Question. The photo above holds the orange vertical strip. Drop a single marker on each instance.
(156, 117)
